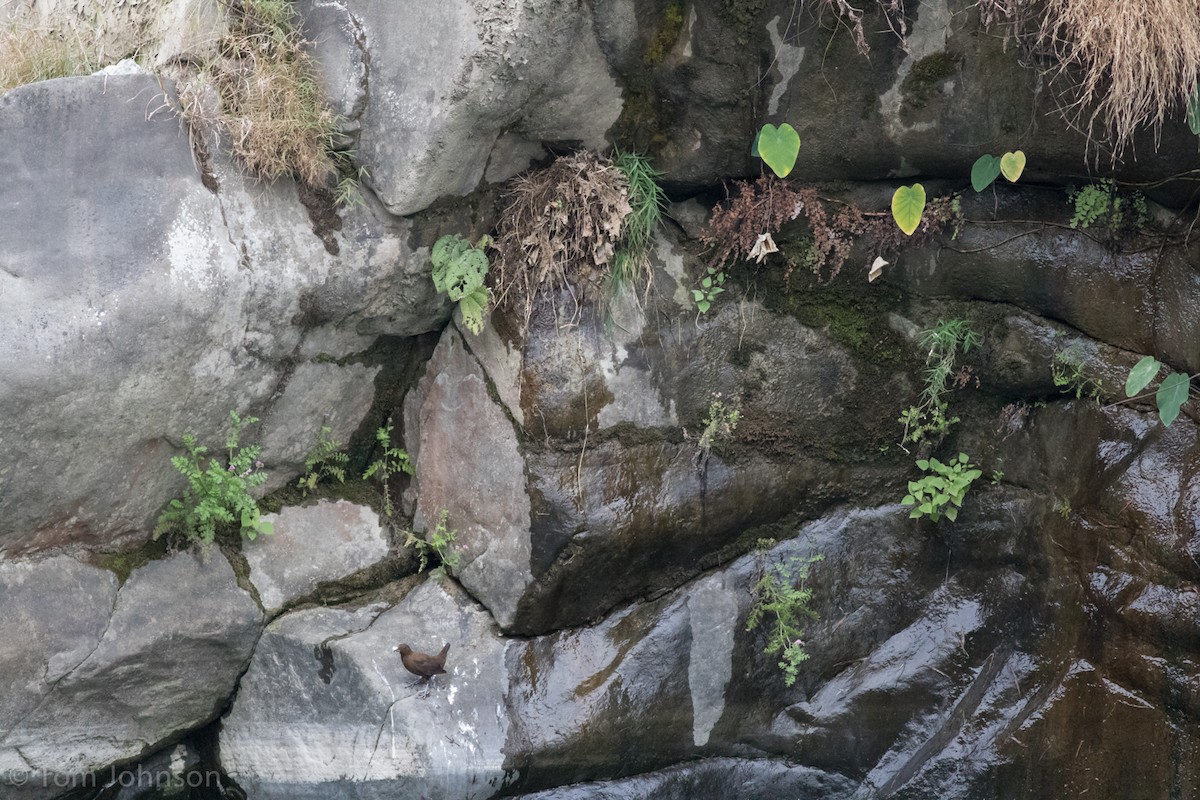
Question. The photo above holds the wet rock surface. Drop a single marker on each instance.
(553, 471)
(1045, 644)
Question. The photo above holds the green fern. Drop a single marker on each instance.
(393, 461)
(325, 461)
(218, 494)
(783, 596)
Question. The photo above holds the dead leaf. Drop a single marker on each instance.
(763, 247)
(876, 269)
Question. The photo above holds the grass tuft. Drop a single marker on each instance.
(631, 263)
(1132, 64)
(261, 92)
(28, 55)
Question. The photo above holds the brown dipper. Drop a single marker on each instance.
(423, 664)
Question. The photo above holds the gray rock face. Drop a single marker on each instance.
(713, 779)
(137, 306)
(928, 107)
(650, 686)
(590, 460)
(446, 93)
(346, 723)
(123, 671)
(312, 545)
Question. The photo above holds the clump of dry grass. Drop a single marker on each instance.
(560, 230)
(267, 99)
(1131, 64)
(28, 55)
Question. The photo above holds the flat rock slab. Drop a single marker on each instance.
(102, 676)
(326, 710)
(313, 545)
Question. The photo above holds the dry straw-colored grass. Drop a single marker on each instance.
(28, 55)
(1133, 62)
(269, 104)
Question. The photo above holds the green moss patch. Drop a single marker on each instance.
(926, 77)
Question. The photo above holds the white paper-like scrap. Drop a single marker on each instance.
(876, 269)
(763, 247)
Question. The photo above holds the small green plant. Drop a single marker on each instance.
(218, 494)
(1062, 507)
(392, 462)
(997, 476)
(943, 342)
(438, 544)
(711, 285)
(988, 167)
(631, 261)
(459, 269)
(942, 490)
(1101, 203)
(782, 597)
(325, 461)
(1069, 376)
(719, 424)
(1172, 392)
(348, 191)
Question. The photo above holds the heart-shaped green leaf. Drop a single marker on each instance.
(1012, 165)
(778, 147)
(1193, 111)
(908, 204)
(984, 172)
(1171, 395)
(1140, 376)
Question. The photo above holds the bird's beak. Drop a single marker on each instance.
(396, 649)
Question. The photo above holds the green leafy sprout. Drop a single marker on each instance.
(719, 424)
(782, 598)
(942, 490)
(1172, 392)
(437, 544)
(218, 493)
(711, 285)
(1101, 203)
(459, 269)
(392, 461)
(1069, 376)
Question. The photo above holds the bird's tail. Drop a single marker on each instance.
(445, 649)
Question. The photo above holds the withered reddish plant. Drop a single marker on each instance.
(737, 226)
(753, 208)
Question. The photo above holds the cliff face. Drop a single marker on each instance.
(1044, 643)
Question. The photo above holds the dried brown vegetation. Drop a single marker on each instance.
(34, 54)
(560, 231)
(1128, 64)
(766, 205)
(851, 16)
(264, 97)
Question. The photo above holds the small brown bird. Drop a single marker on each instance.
(423, 665)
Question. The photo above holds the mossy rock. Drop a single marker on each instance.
(924, 81)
